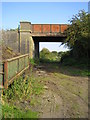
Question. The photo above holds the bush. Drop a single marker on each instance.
(47, 56)
(68, 59)
(34, 61)
(65, 55)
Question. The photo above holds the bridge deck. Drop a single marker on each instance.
(48, 29)
(48, 34)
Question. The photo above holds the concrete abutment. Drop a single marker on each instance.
(26, 41)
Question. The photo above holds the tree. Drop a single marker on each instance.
(44, 53)
(77, 34)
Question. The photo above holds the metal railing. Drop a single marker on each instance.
(13, 67)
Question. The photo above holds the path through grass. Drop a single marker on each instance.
(48, 91)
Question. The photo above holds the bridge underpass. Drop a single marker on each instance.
(31, 34)
(41, 39)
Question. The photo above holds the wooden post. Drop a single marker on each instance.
(6, 75)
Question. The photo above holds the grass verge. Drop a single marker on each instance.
(14, 112)
(21, 92)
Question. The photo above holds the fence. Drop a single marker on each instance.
(1, 74)
(13, 67)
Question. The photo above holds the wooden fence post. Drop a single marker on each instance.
(6, 75)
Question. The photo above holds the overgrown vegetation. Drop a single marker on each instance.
(34, 61)
(67, 62)
(11, 111)
(20, 91)
(77, 40)
(78, 35)
(47, 56)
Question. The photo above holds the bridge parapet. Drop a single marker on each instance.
(49, 28)
(42, 28)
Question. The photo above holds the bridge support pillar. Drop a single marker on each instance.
(36, 49)
(26, 43)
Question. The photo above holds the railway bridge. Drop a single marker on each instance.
(31, 34)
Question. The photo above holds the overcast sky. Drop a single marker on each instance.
(37, 12)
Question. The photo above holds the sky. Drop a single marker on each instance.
(40, 12)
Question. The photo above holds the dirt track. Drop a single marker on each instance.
(64, 96)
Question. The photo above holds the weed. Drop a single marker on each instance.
(34, 61)
(21, 90)
(14, 112)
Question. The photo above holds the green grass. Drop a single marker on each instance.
(60, 75)
(35, 101)
(67, 70)
(70, 66)
(34, 61)
(74, 71)
(21, 90)
(76, 66)
(14, 112)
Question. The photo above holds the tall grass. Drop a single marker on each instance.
(20, 91)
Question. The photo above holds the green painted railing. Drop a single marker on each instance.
(13, 67)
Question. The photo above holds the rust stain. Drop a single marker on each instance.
(49, 28)
(63, 28)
